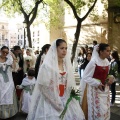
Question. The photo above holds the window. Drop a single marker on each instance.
(2, 26)
(38, 39)
(18, 36)
(38, 33)
(21, 36)
(3, 37)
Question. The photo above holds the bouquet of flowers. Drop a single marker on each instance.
(28, 58)
(74, 94)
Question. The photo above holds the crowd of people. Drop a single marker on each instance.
(44, 84)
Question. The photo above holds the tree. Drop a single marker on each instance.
(114, 24)
(76, 6)
(27, 8)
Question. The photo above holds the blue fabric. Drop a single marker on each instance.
(4, 73)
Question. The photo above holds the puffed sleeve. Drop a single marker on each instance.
(9, 60)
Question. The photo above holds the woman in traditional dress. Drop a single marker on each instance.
(30, 59)
(53, 87)
(40, 58)
(8, 101)
(95, 98)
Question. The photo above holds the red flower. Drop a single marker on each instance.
(98, 114)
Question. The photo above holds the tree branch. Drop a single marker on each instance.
(4, 3)
(31, 11)
(34, 11)
(73, 9)
(91, 8)
(21, 9)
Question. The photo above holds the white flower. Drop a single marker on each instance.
(75, 89)
(28, 58)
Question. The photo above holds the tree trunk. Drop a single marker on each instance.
(77, 34)
(113, 25)
(29, 36)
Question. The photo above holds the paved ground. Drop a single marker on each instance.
(115, 110)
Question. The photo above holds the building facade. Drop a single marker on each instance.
(4, 34)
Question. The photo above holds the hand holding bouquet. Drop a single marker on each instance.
(110, 79)
(75, 93)
(28, 58)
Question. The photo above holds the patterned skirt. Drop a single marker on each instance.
(7, 111)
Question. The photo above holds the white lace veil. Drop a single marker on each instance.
(31, 51)
(51, 63)
(95, 52)
(48, 76)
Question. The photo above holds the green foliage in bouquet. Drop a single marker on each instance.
(74, 94)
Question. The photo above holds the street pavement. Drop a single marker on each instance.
(115, 110)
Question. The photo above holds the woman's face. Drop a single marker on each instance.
(28, 52)
(89, 50)
(105, 53)
(62, 50)
(88, 57)
(4, 52)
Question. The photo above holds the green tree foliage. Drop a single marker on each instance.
(28, 8)
(113, 3)
(55, 13)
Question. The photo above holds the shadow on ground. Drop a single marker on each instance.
(114, 116)
(18, 116)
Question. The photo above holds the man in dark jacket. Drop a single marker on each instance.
(18, 74)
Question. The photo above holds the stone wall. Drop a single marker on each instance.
(113, 28)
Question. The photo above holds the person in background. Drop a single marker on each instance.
(114, 71)
(80, 60)
(18, 72)
(41, 57)
(94, 43)
(8, 100)
(37, 53)
(90, 50)
(86, 61)
(27, 85)
(86, 48)
(29, 60)
(53, 87)
(94, 86)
